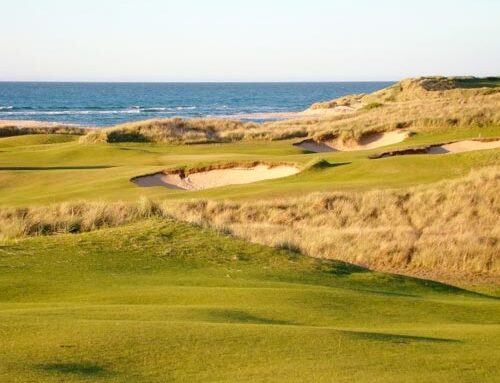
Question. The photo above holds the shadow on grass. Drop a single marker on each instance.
(387, 293)
(341, 269)
(344, 269)
(54, 167)
(83, 369)
(397, 338)
(239, 316)
(323, 164)
(137, 150)
(440, 287)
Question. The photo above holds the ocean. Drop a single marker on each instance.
(105, 104)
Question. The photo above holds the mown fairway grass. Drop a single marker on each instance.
(161, 301)
(52, 168)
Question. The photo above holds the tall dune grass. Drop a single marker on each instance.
(415, 104)
(74, 217)
(449, 229)
(14, 130)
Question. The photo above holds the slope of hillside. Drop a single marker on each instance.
(164, 301)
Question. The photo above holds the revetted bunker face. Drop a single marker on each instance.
(212, 178)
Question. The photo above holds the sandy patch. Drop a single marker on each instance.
(306, 114)
(31, 124)
(216, 177)
(369, 141)
(464, 146)
(453, 147)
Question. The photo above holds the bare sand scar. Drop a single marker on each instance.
(368, 141)
(452, 147)
(216, 177)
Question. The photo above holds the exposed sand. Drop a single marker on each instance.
(453, 147)
(463, 146)
(31, 124)
(216, 178)
(369, 141)
(309, 113)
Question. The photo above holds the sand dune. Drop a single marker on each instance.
(369, 141)
(216, 177)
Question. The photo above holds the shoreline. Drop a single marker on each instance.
(257, 117)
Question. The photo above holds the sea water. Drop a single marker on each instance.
(104, 104)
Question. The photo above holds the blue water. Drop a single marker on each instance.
(104, 104)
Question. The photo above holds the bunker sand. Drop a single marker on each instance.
(216, 177)
(369, 141)
(464, 146)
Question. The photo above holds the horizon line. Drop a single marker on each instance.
(190, 82)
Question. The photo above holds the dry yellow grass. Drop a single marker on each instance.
(72, 217)
(424, 104)
(415, 104)
(12, 129)
(173, 130)
(446, 231)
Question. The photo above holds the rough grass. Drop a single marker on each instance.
(173, 130)
(406, 105)
(73, 217)
(15, 130)
(445, 231)
(163, 302)
(425, 104)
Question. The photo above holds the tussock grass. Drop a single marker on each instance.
(447, 231)
(13, 130)
(173, 130)
(444, 230)
(415, 104)
(73, 217)
(425, 104)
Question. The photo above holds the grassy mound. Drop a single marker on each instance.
(447, 231)
(417, 88)
(173, 130)
(163, 301)
(423, 104)
(18, 129)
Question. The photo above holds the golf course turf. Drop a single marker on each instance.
(106, 275)
(160, 301)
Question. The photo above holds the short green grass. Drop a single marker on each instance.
(40, 170)
(159, 301)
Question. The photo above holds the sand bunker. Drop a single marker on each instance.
(453, 147)
(463, 146)
(368, 141)
(216, 177)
